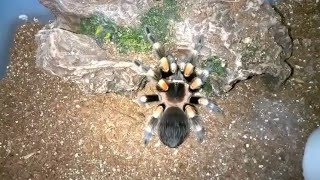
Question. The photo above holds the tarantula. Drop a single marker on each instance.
(178, 88)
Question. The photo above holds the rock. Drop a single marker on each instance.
(69, 12)
(246, 36)
(242, 39)
(78, 58)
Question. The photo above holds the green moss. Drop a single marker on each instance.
(214, 64)
(158, 19)
(107, 36)
(131, 39)
(104, 29)
(127, 39)
(217, 72)
(158, 23)
(99, 27)
(207, 87)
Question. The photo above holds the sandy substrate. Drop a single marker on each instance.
(50, 130)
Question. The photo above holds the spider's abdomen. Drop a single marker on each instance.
(173, 127)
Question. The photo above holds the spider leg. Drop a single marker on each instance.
(196, 51)
(198, 46)
(195, 122)
(188, 67)
(210, 105)
(142, 83)
(203, 74)
(152, 124)
(194, 75)
(149, 98)
(156, 46)
(173, 64)
(188, 70)
(199, 78)
(193, 56)
(164, 65)
(195, 84)
(146, 71)
(167, 66)
(162, 85)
